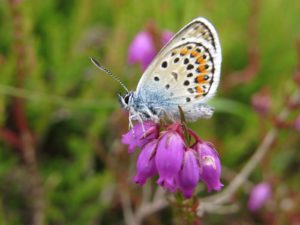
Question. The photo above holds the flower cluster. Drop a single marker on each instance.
(166, 152)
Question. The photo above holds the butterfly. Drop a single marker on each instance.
(185, 73)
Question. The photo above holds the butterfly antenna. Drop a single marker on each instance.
(99, 66)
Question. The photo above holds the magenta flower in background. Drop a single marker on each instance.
(210, 166)
(259, 195)
(166, 153)
(142, 49)
(136, 137)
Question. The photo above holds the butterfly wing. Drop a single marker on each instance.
(185, 72)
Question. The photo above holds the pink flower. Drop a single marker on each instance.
(210, 166)
(142, 49)
(137, 137)
(259, 195)
(178, 165)
(146, 163)
(169, 158)
(188, 176)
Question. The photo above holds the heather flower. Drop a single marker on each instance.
(168, 154)
(169, 158)
(210, 166)
(142, 49)
(188, 176)
(138, 137)
(259, 195)
(146, 164)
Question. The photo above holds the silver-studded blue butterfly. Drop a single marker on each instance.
(185, 73)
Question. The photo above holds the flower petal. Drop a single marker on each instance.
(146, 164)
(137, 137)
(169, 158)
(189, 174)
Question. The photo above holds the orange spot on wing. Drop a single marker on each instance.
(201, 68)
(200, 60)
(199, 90)
(183, 51)
(194, 53)
(202, 79)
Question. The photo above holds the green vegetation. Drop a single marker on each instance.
(61, 159)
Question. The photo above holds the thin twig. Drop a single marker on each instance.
(147, 192)
(159, 202)
(35, 181)
(126, 207)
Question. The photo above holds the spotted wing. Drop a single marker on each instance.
(186, 71)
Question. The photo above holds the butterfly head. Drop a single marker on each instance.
(126, 100)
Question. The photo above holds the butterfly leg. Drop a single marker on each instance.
(133, 115)
(152, 116)
(139, 118)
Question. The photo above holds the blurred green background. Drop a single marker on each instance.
(61, 160)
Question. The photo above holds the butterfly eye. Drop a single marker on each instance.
(126, 99)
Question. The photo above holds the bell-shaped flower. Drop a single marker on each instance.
(259, 195)
(188, 176)
(210, 165)
(168, 159)
(145, 166)
(141, 50)
(140, 134)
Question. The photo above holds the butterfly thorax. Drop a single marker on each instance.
(138, 109)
